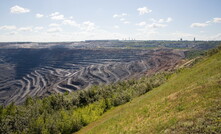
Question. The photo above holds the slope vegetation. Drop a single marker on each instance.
(188, 103)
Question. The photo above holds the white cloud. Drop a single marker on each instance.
(169, 19)
(161, 20)
(145, 33)
(156, 25)
(71, 23)
(198, 25)
(88, 26)
(124, 14)
(18, 10)
(8, 27)
(122, 19)
(54, 25)
(153, 20)
(216, 37)
(25, 29)
(183, 35)
(116, 27)
(144, 10)
(38, 15)
(57, 16)
(56, 36)
(54, 30)
(115, 16)
(13, 33)
(216, 20)
(126, 22)
(208, 22)
(119, 15)
(39, 28)
(143, 23)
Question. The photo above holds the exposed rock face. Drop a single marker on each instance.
(39, 72)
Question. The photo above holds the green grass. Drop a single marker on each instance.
(188, 103)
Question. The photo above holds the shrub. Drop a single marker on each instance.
(68, 113)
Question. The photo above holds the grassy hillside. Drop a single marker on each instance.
(189, 102)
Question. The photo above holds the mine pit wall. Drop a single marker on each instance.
(48, 79)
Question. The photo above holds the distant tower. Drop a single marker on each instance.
(194, 39)
(181, 39)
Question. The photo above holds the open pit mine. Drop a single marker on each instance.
(31, 72)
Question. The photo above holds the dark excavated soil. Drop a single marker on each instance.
(38, 72)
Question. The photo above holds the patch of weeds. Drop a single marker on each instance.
(180, 108)
(208, 123)
(162, 127)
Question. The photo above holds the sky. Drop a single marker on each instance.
(78, 20)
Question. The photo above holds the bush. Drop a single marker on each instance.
(213, 51)
(68, 113)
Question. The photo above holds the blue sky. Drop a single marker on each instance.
(76, 20)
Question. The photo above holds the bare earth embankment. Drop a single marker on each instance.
(40, 72)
